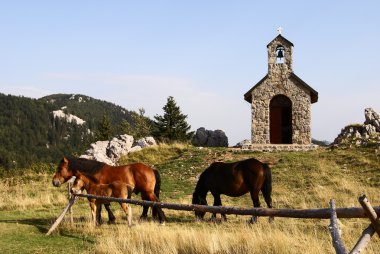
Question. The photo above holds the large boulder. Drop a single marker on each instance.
(361, 134)
(372, 118)
(119, 146)
(110, 151)
(97, 151)
(210, 138)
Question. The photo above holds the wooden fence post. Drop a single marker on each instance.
(60, 218)
(370, 212)
(363, 240)
(70, 196)
(334, 229)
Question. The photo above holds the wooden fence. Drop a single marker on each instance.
(332, 213)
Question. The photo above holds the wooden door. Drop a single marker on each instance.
(275, 125)
(280, 120)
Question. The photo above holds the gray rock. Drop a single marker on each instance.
(110, 151)
(372, 118)
(119, 146)
(145, 142)
(361, 134)
(244, 143)
(135, 149)
(210, 138)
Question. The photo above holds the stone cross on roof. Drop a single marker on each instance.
(279, 30)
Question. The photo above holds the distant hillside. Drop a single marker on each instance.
(30, 132)
(89, 109)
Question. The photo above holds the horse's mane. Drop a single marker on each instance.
(85, 166)
(90, 177)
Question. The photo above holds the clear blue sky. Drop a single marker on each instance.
(206, 54)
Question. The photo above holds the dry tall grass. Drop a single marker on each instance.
(31, 190)
(236, 236)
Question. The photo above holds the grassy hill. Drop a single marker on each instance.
(29, 204)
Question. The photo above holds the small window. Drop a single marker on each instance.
(280, 54)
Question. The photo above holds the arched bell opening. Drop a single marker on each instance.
(280, 54)
(280, 127)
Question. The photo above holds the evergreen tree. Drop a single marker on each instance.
(140, 127)
(172, 126)
(104, 130)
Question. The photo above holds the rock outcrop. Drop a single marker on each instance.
(210, 138)
(361, 134)
(110, 151)
(243, 143)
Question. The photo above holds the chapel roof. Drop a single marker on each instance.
(281, 38)
(313, 93)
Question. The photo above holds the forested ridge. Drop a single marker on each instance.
(29, 132)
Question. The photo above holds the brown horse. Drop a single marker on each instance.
(144, 179)
(115, 189)
(234, 179)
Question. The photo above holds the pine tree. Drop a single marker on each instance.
(172, 126)
(104, 130)
(141, 126)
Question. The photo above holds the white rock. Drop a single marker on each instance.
(68, 117)
(110, 151)
(135, 149)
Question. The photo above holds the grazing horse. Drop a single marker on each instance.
(142, 178)
(115, 189)
(234, 179)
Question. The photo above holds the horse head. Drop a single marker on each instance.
(198, 200)
(63, 173)
(78, 185)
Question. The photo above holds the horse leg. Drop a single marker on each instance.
(128, 211)
(144, 214)
(152, 197)
(256, 203)
(218, 202)
(93, 212)
(99, 214)
(111, 217)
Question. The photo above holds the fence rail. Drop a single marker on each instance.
(318, 213)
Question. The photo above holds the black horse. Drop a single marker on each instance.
(234, 179)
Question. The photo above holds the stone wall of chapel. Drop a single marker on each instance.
(301, 115)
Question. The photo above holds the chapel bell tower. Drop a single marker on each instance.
(281, 103)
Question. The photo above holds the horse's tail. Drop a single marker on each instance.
(266, 189)
(157, 189)
(157, 186)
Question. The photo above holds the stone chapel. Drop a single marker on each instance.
(281, 103)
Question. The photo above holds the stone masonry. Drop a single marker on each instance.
(281, 80)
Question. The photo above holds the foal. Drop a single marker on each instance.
(115, 189)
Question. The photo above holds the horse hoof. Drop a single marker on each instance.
(162, 223)
(252, 221)
(143, 219)
(111, 222)
(197, 219)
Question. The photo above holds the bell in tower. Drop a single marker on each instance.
(280, 54)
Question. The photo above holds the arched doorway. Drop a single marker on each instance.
(280, 122)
